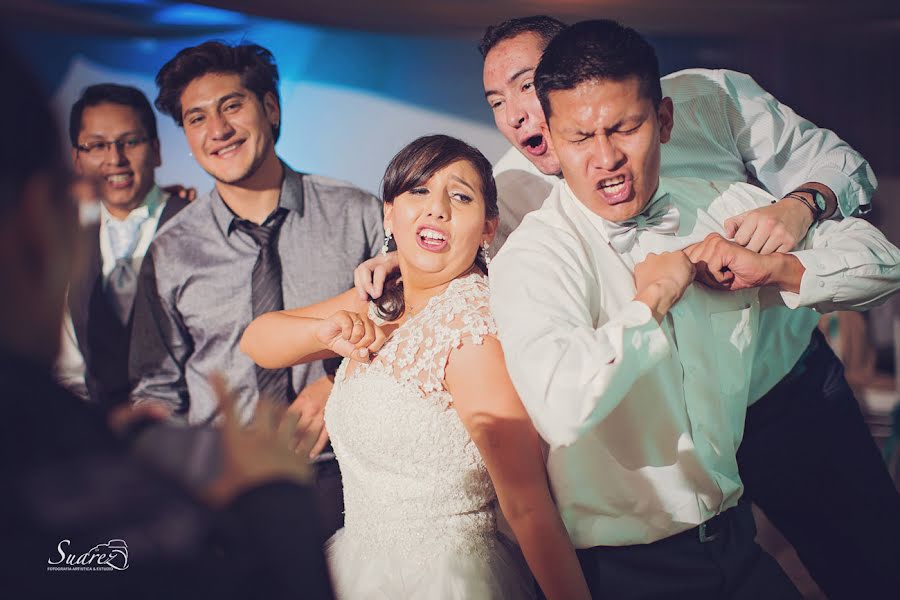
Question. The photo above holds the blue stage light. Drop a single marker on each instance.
(195, 14)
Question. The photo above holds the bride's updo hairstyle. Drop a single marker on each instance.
(412, 167)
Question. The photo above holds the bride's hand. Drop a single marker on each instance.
(352, 335)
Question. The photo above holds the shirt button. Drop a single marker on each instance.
(821, 284)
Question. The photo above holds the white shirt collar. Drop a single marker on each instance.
(596, 220)
(148, 208)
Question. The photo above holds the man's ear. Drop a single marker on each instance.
(545, 131)
(273, 111)
(154, 148)
(666, 116)
(76, 162)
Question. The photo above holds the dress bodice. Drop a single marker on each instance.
(412, 476)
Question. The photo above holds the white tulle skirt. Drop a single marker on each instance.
(496, 571)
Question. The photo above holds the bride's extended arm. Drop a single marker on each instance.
(289, 337)
(494, 416)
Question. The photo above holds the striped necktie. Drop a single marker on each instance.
(267, 294)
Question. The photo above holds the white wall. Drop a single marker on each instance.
(330, 130)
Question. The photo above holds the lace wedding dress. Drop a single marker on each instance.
(419, 504)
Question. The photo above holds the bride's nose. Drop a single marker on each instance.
(439, 206)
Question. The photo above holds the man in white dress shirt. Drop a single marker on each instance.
(727, 128)
(730, 130)
(640, 392)
(114, 142)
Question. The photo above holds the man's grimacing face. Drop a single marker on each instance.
(509, 90)
(607, 136)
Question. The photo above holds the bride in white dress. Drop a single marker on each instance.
(425, 423)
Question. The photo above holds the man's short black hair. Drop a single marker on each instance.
(541, 25)
(596, 50)
(254, 64)
(30, 143)
(112, 93)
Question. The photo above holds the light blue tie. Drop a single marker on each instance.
(122, 282)
(123, 235)
(659, 217)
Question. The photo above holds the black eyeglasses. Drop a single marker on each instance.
(98, 149)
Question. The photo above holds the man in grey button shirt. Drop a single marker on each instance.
(195, 295)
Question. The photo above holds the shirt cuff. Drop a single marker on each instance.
(848, 192)
(816, 285)
(643, 336)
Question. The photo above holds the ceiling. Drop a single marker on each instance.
(651, 16)
(741, 18)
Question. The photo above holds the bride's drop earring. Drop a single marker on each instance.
(388, 236)
(484, 253)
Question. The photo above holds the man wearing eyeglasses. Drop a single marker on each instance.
(114, 142)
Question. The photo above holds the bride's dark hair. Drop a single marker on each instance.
(412, 167)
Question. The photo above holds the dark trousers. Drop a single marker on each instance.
(809, 462)
(732, 565)
(329, 497)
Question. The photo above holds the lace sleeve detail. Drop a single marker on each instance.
(460, 315)
(464, 317)
(473, 325)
